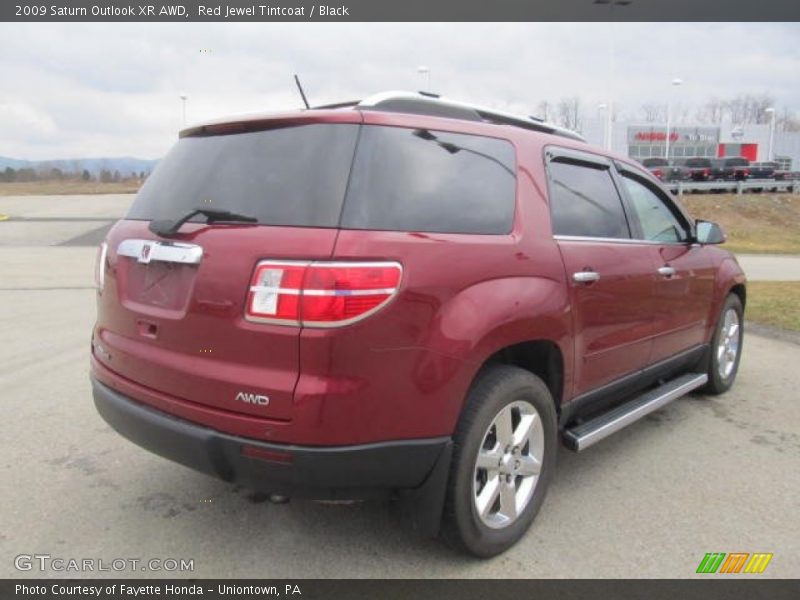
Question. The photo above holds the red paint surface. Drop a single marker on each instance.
(403, 372)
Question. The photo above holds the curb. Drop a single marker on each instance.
(776, 333)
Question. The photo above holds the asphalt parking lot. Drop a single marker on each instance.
(702, 475)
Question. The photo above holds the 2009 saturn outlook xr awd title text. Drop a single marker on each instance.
(407, 296)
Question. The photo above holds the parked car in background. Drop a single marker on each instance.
(731, 168)
(700, 168)
(763, 170)
(666, 170)
(768, 170)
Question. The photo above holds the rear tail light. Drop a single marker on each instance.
(100, 266)
(658, 173)
(320, 294)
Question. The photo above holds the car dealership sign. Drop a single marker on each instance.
(639, 134)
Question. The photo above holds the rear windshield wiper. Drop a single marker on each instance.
(170, 227)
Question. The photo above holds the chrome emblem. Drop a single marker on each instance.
(249, 398)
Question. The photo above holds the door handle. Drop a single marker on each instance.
(666, 271)
(585, 276)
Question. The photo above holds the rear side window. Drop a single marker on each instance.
(293, 176)
(584, 202)
(425, 180)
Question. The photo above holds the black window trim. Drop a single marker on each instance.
(589, 160)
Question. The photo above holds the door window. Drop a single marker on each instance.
(657, 221)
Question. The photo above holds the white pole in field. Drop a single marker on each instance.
(675, 82)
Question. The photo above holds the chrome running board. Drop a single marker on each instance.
(587, 434)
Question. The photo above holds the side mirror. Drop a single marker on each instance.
(708, 232)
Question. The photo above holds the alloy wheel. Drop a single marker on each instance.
(508, 464)
(728, 345)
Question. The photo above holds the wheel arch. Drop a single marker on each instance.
(740, 290)
(541, 357)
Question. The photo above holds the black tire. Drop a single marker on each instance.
(495, 388)
(717, 383)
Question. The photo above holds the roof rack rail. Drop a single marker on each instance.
(336, 105)
(424, 103)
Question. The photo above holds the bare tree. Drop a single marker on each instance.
(544, 110)
(711, 112)
(681, 113)
(758, 106)
(787, 121)
(653, 113)
(749, 108)
(568, 111)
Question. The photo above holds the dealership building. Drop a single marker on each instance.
(642, 141)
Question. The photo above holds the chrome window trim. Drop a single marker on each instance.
(314, 292)
(173, 252)
(579, 238)
(272, 321)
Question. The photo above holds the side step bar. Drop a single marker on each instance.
(589, 433)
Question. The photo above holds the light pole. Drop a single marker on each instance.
(612, 66)
(771, 112)
(183, 98)
(603, 107)
(423, 70)
(675, 82)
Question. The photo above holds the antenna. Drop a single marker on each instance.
(300, 88)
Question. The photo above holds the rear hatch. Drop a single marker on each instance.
(171, 313)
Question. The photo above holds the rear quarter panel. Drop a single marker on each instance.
(405, 372)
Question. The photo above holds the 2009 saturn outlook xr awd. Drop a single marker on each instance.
(407, 296)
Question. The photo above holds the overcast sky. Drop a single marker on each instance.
(109, 89)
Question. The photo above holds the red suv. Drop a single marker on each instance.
(404, 296)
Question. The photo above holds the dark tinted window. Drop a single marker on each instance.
(657, 221)
(736, 162)
(585, 202)
(288, 176)
(698, 162)
(655, 162)
(421, 180)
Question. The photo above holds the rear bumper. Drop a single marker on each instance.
(340, 472)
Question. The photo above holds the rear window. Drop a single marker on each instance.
(401, 179)
(294, 176)
(424, 180)
(584, 202)
(698, 162)
(655, 162)
(736, 162)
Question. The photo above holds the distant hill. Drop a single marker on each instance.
(125, 165)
